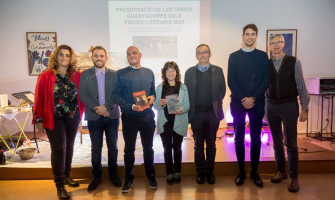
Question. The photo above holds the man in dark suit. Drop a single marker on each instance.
(207, 88)
(102, 114)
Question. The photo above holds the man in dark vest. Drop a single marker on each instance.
(286, 83)
(207, 88)
(248, 78)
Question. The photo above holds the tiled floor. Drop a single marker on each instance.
(312, 187)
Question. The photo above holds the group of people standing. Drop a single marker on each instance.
(63, 93)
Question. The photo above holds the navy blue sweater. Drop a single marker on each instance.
(130, 80)
(248, 74)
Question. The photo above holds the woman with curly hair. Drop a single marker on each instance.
(172, 127)
(58, 109)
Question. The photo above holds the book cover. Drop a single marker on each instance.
(172, 103)
(141, 99)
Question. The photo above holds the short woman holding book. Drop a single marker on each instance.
(172, 124)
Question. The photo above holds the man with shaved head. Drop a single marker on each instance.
(136, 78)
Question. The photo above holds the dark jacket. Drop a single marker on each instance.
(218, 90)
(89, 94)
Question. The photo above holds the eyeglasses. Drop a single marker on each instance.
(278, 42)
(203, 53)
(170, 71)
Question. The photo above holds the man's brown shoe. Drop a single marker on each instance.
(278, 177)
(293, 185)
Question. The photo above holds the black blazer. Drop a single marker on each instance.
(218, 90)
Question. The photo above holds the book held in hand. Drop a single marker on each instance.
(172, 103)
(141, 99)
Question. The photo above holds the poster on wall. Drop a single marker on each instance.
(162, 31)
(40, 45)
(290, 37)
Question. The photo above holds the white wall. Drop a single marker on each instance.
(315, 43)
(84, 23)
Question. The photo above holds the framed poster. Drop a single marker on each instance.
(290, 36)
(40, 45)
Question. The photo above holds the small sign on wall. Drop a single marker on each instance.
(40, 46)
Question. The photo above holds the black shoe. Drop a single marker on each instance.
(70, 182)
(152, 181)
(62, 193)
(201, 178)
(115, 180)
(177, 177)
(210, 177)
(239, 180)
(170, 179)
(127, 185)
(94, 184)
(257, 180)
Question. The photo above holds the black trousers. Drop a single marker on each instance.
(255, 114)
(286, 114)
(172, 140)
(131, 124)
(204, 126)
(62, 139)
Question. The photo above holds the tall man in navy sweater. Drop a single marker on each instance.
(286, 83)
(135, 78)
(206, 86)
(248, 78)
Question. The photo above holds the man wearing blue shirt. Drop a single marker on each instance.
(102, 115)
(282, 109)
(207, 88)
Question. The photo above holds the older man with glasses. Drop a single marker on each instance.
(206, 86)
(281, 107)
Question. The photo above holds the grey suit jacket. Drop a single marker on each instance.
(89, 95)
(218, 90)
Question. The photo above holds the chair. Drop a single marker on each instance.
(82, 132)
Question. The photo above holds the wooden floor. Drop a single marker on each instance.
(319, 158)
(312, 187)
